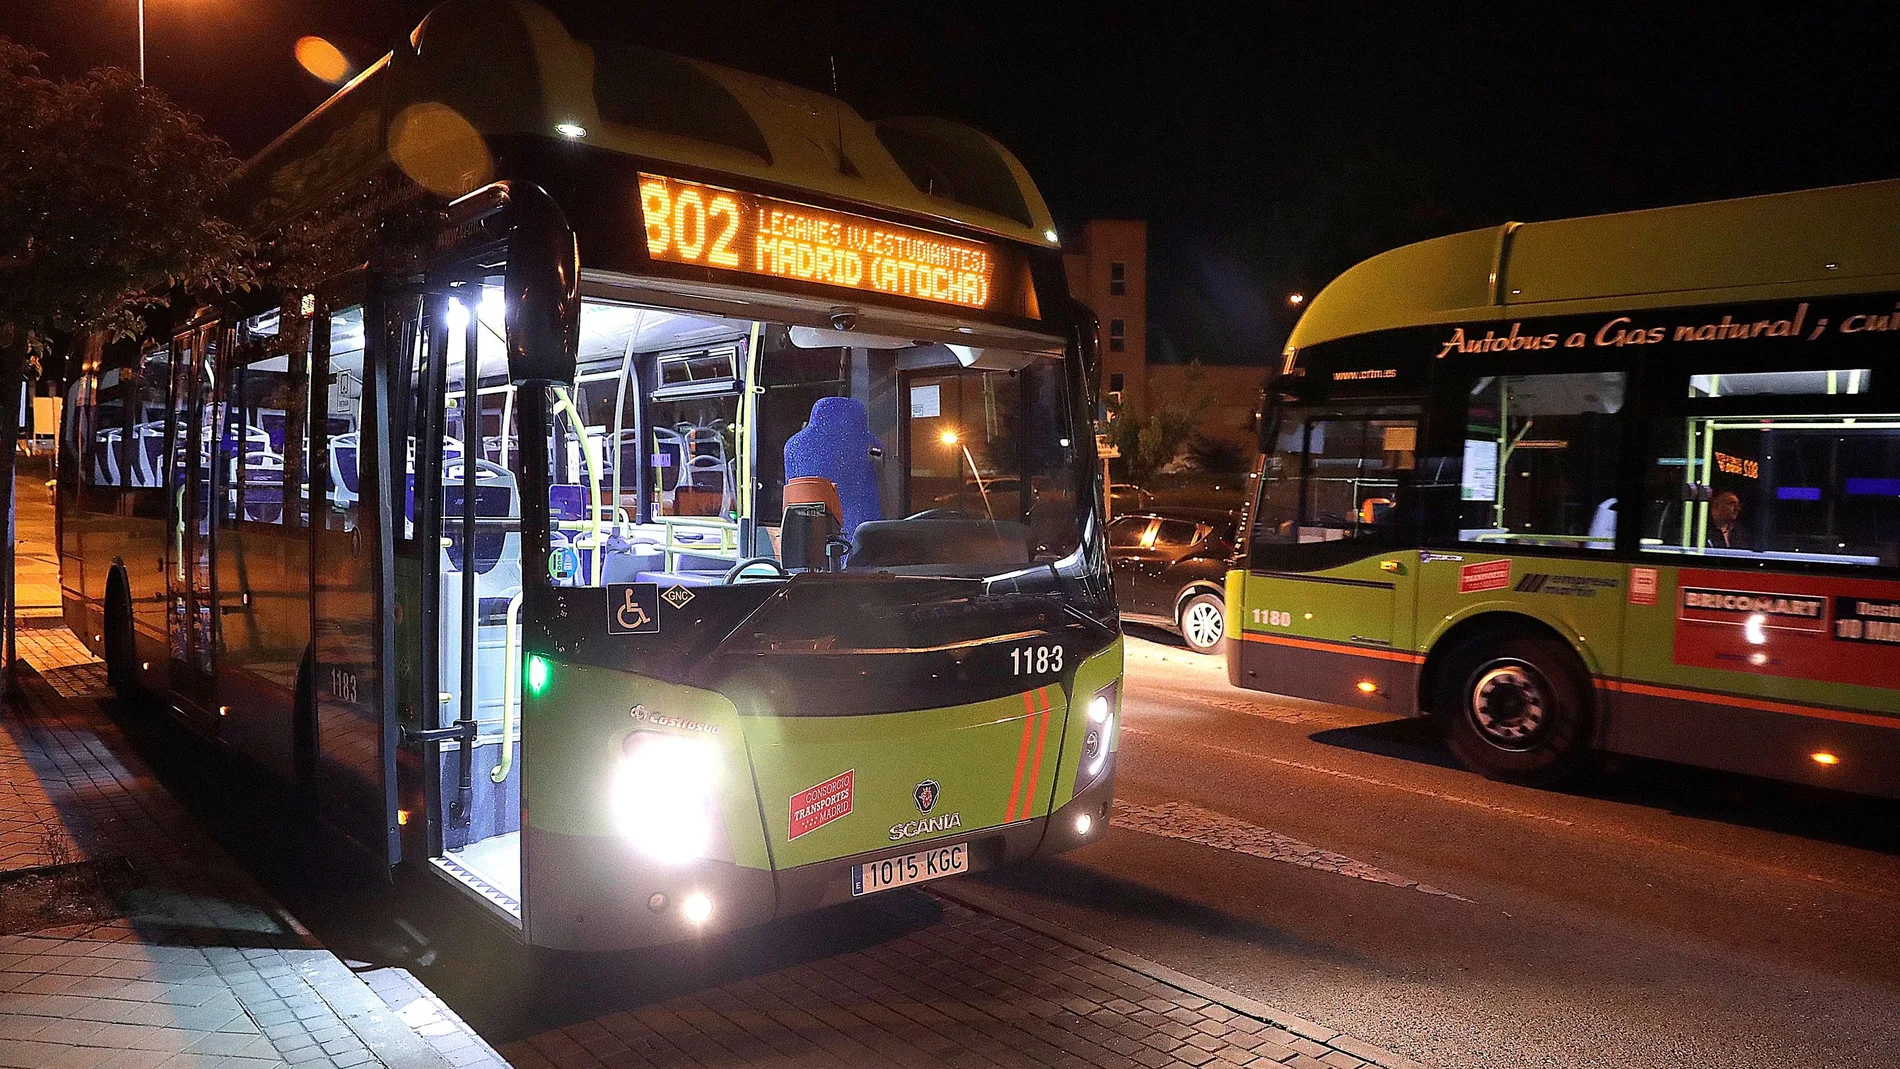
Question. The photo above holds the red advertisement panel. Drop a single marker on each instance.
(1830, 630)
(1485, 575)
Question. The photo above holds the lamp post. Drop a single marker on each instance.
(950, 438)
(141, 42)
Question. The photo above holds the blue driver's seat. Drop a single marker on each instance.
(838, 445)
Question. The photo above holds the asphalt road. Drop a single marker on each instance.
(1339, 865)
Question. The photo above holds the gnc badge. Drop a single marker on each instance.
(815, 807)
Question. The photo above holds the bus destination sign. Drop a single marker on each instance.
(707, 226)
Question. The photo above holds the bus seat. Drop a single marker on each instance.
(567, 501)
(681, 578)
(810, 522)
(493, 501)
(1603, 524)
(151, 453)
(343, 475)
(837, 445)
(105, 457)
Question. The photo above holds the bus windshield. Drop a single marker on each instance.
(675, 449)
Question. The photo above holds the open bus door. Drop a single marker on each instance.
(459, 582)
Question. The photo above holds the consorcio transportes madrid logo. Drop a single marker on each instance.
(818, 805)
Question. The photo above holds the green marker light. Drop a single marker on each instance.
(538, 672)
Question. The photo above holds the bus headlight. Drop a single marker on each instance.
(664, 795)
(1099, 732)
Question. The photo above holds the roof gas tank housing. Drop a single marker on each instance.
(510, 67)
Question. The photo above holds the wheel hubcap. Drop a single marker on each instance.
(1202, 624)
(1509, 704)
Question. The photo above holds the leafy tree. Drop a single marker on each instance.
(108, 206)
(1150, 440)
(1218, 456)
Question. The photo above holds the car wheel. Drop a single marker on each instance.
(1203, 623)
(1515, 709)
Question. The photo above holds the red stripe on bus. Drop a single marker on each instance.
(1035, 770)
(1333, 647)
(1758, 704)
(1022, 755)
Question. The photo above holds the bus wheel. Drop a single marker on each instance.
(121, 652)
(1515, 709)
(1203, 622)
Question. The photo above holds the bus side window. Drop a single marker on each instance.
(1335, 479)
(105, 462)
(1541, 460)
(145, 448)
(1761, 482)
(264, 413)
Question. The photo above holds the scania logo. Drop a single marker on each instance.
(925, 795)
(913, 828)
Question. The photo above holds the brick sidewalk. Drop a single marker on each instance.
(968, 986)
(190, 964)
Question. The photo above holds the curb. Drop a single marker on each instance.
(1233, 1000)
(380, 1028)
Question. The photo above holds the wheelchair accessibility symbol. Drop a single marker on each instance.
(633, 608)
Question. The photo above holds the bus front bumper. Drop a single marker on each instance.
(589, 893)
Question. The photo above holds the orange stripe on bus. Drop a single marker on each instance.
(1758, 704)
(1022, 755)
(1035, 770)
(1333, 647)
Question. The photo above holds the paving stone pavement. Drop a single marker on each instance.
(970, 985)
(200, 968)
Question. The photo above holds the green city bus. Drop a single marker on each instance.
(668, 504)
(1627, 483)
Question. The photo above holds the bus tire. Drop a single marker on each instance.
(1202, 621)
(121, 649)
(1515, 709)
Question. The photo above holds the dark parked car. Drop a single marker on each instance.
(1171, 569)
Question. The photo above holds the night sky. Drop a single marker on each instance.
(1270, 144)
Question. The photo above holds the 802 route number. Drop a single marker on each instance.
(1035, 660)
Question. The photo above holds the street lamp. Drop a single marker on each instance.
(950, 438)
(1296, 299)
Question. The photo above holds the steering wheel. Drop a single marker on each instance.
(938, 514)
(732, 576)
